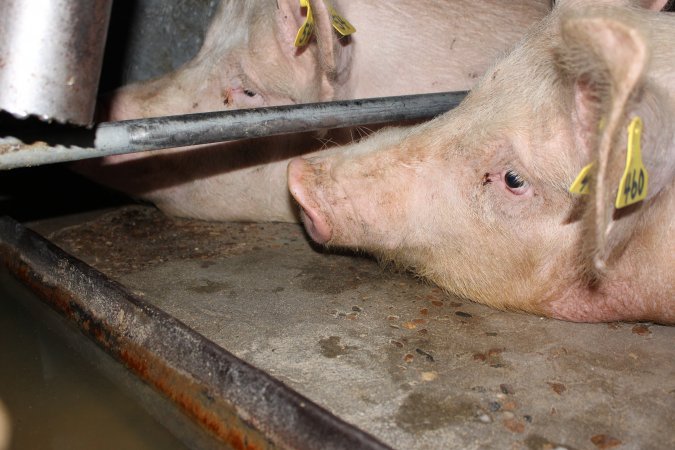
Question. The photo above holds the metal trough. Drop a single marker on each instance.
(239, 404)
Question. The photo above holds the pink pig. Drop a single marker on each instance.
(248, 60)
(478, 199)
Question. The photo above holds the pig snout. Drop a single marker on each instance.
(316, 223)
(359, 198)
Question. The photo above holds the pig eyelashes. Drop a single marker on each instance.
(515, 182)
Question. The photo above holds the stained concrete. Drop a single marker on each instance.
(387, 352)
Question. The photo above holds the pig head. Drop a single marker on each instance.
(248, 59)
(478, 199)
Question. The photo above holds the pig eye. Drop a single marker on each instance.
(242, 97)
(515, 182)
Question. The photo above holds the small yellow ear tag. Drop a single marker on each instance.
(340, 23)
(581, 184)
(633, 185)
(305, 32)
(307, 29)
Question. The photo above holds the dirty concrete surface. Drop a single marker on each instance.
(385, 351)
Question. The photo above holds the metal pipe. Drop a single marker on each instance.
(131, 136)
(51, 54)
(192, 129)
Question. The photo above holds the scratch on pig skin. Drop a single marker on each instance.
(227, 97)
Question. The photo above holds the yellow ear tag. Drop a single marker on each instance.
(340, 23)
(307, 29)
(581, 184)
(305, 32)
(633, 185)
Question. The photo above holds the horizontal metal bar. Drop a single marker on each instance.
(192, 129)
(131, 136)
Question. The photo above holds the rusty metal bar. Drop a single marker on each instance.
(131, 136)
(241, 405)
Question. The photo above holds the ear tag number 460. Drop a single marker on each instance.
(633, 185)
(634, 181)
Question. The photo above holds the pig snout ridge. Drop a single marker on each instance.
(315, 222)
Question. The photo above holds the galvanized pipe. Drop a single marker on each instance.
(192, 129)
(131, 136)
(51, 54)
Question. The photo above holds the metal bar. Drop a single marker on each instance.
(131, 136)
(239, 404)
(192, 129)
(51, 54)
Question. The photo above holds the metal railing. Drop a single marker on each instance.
(56, 143)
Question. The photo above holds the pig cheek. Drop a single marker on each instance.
(485, 246)
(478, 237)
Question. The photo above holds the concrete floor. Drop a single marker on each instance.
(387, 352)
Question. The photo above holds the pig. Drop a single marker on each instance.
(248, 59)
(478, 199)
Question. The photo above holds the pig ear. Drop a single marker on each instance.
(334, 52)
(607, 60)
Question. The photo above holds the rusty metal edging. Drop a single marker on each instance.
(240, 404)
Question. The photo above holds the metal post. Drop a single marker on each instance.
(51, 54)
